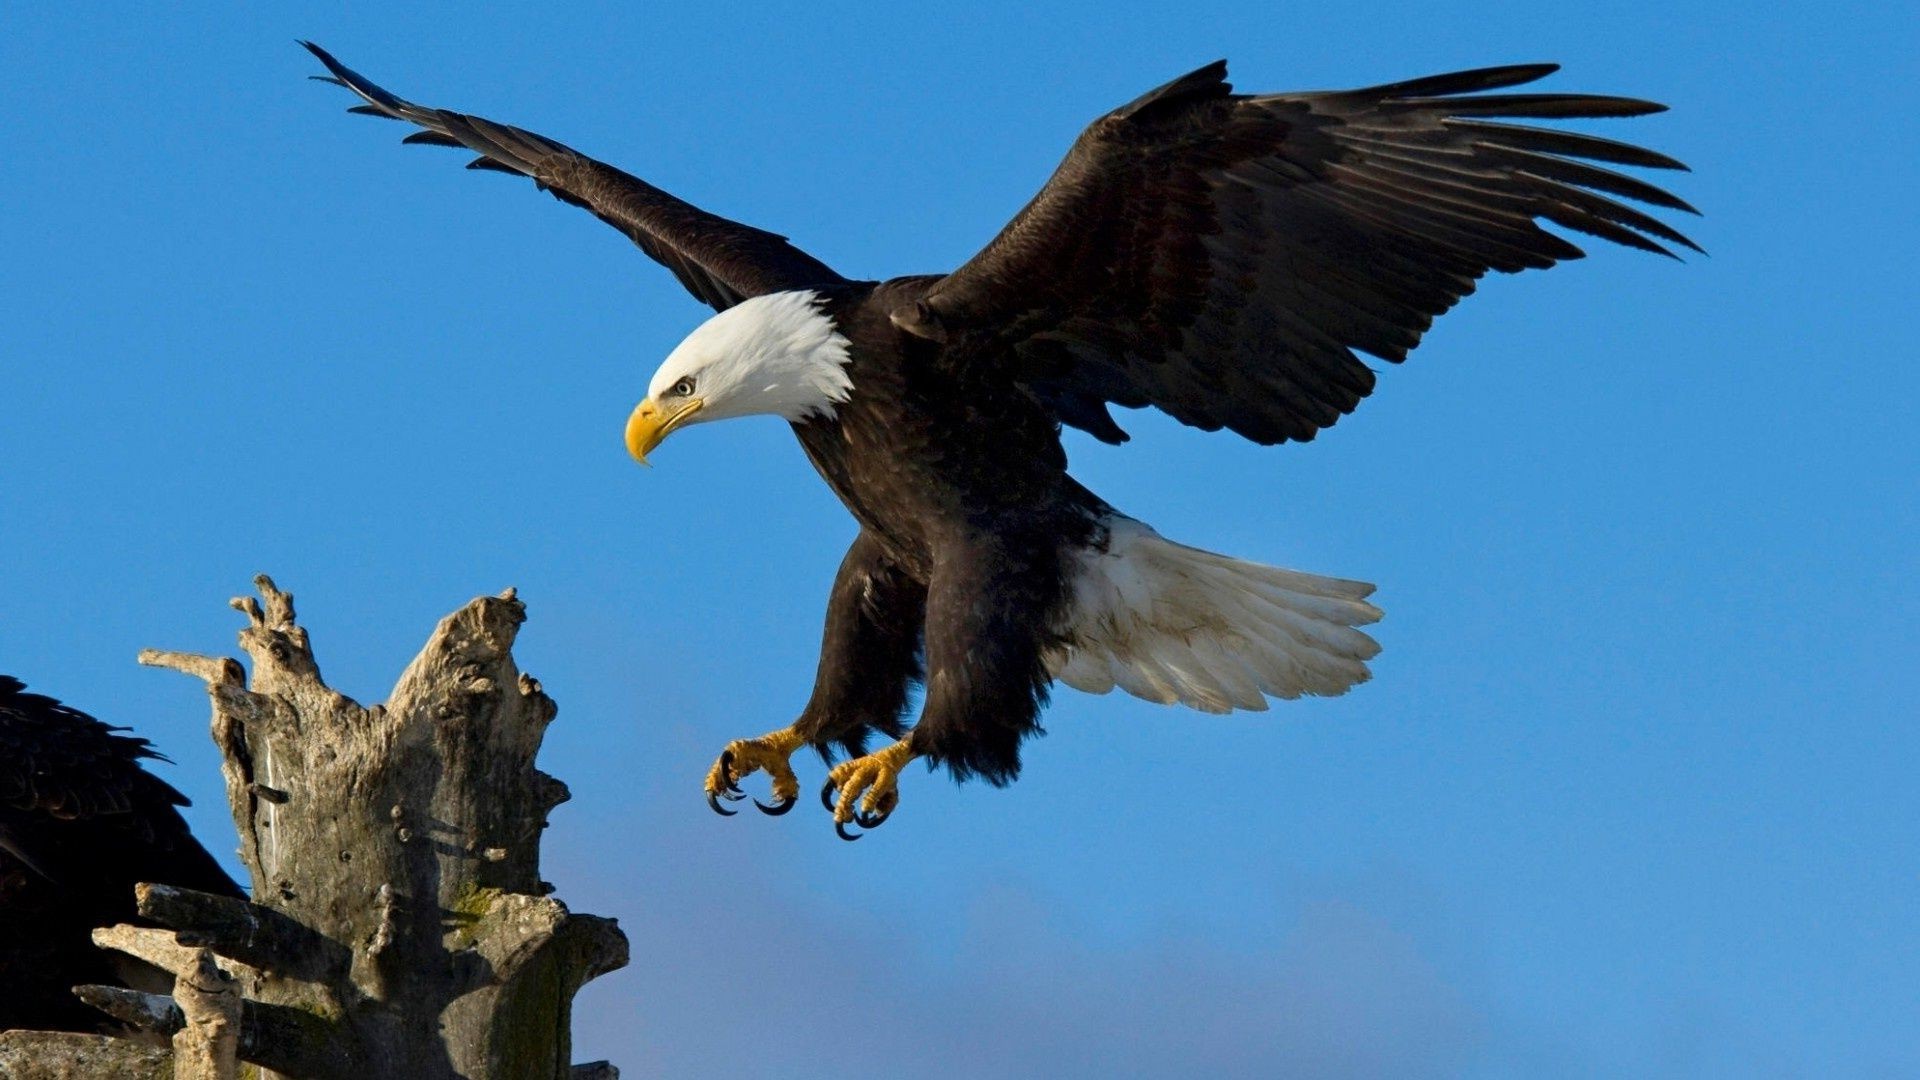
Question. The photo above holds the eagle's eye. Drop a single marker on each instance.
(682, 388)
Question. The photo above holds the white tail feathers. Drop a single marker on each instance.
(1167, 622)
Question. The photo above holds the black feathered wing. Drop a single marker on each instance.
(75, 803)
(721, 262)
(81, 822)
(1221, 256)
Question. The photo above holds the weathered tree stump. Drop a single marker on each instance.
(399, 926)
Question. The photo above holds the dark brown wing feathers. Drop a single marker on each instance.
(66, 779)
(720, 261)
(81, 822)
(1221, 256)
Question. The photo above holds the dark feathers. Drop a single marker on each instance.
(720, 261)
(80, 824)
(1221, 256)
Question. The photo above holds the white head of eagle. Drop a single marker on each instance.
(777, 355)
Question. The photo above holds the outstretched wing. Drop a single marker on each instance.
(1220, 256)
(720, 261)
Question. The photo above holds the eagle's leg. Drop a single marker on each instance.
(868, 788)
(743, 757)
(869, 660)
(989, 607)
(986, 672)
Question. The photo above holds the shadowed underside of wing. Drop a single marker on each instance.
(1221, 256)
(721, 262)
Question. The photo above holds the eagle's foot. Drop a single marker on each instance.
(868, 789)
(743, 757)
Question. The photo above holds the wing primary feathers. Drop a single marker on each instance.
(1537, 106)
(720, 261)
(345, 76)
(1592, 224)
(424, 137)
(1552, 141)
(1569, 171)
(1457, 82)
(1601, 206)
(1504, 246)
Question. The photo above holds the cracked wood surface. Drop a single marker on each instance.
(399, 926)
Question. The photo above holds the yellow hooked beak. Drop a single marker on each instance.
(650, 425)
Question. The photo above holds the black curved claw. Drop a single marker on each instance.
(840, 827)
(777, 808)
(721, 810)
(726, 775)
(827, 796)
(871, 821)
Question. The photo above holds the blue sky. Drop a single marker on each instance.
(1631, 792)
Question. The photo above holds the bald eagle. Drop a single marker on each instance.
(81, 823)
(1218, 256)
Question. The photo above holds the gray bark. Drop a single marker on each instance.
(399, 926)
(58, 1055)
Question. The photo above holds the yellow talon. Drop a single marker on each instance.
(744, 757)
(872, 782)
